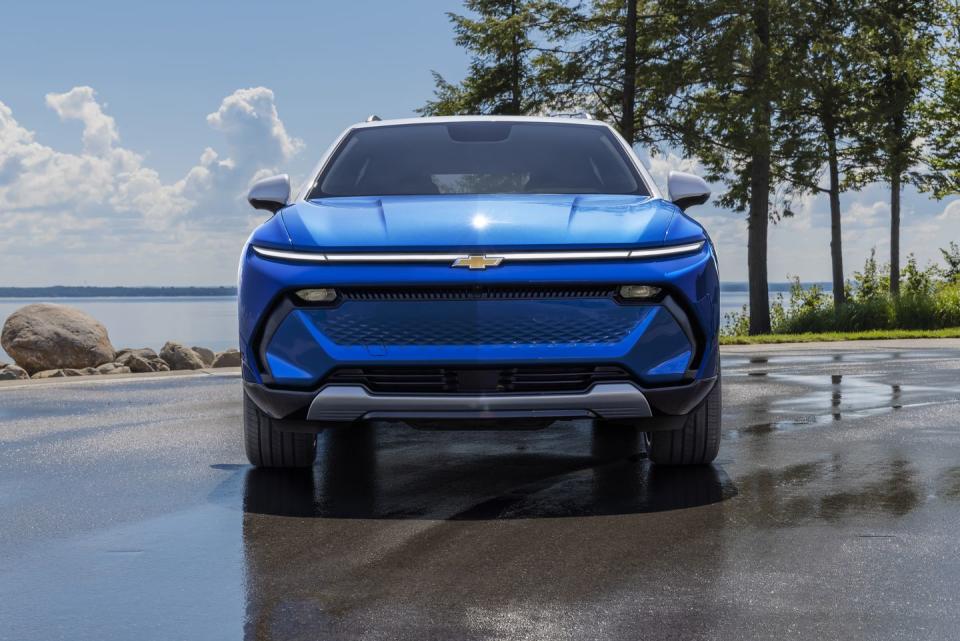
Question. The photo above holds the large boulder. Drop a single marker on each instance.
(229, 358)
(12, 373)
(178, 356)
(44, 336)
(206, 355)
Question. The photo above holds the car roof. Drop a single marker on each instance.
(553, 120)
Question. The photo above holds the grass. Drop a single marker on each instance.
(811, 337)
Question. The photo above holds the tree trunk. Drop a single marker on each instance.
(629, 72)
(757, 224)
(759, 216)
(836, 253)
(895, 234)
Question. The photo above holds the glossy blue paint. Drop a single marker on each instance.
(450, 222)
(646, 339)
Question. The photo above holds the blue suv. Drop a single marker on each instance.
(506, 271)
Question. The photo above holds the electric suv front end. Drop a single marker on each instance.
(510, 271)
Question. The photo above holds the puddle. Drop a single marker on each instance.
(833, 397)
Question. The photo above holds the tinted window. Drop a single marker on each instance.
(479, 158)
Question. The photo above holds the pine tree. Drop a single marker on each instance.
(942, 109)
(504, 38)
(899, 37)
(834, 76)
(612, 62)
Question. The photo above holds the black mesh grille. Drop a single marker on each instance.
(480, 292)
(452, 380)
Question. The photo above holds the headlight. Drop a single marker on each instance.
(639, 291)
(320, 295)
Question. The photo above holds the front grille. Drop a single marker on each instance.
(452, 380)
(478, 292)
(357, 328)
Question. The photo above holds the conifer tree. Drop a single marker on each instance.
(899, 38)
(942, 109)
(505, 42)
(835, 77)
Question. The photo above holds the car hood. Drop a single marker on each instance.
(456, 221)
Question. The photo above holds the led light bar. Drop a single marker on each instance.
(311, 257)
(288, 255)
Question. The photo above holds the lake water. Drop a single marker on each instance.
(208, 321)
(150, 322)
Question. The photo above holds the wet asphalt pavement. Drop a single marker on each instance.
(127, 511)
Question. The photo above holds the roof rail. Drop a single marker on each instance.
(583, 115)
(374, 118)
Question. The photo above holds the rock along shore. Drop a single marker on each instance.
(49, 341)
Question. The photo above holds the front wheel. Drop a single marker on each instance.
(267, 445)
(697, 442)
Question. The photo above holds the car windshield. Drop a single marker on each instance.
(479, 158)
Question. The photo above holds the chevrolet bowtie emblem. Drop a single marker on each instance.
(478, 262)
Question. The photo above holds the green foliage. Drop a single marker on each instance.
(593, 72)
(927, 302)
(736, 323)
(917, 281)
(870, 335)
(899, 41)
(737, 101)
(872, 282)
(504, 41)
(947, 306)
(942, 108)
(951, 256)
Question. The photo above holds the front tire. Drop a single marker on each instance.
(267, 445)
(697, 442)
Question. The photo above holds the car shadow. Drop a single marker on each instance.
(354, 478)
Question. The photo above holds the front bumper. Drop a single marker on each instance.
(610, 401)
(350, 403)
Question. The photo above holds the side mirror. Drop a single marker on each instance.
(687, 190)
(270, 193)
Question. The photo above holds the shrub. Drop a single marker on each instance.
(947, 305)
(930, 299)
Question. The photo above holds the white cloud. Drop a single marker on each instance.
(951, 212)
(71, 208)
(255, 134)
(866, 214)
(99, 129)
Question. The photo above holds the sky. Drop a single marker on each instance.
(130, 132)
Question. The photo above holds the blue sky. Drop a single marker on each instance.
(130, 130)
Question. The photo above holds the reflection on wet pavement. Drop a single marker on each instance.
(351, 482)
(812, 399)
(832, 513)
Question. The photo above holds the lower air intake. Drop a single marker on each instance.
(434, 380)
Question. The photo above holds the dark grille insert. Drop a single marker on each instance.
(479, 292)
(453, 380)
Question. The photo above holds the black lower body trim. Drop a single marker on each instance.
(665, 401)
(679, 400)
